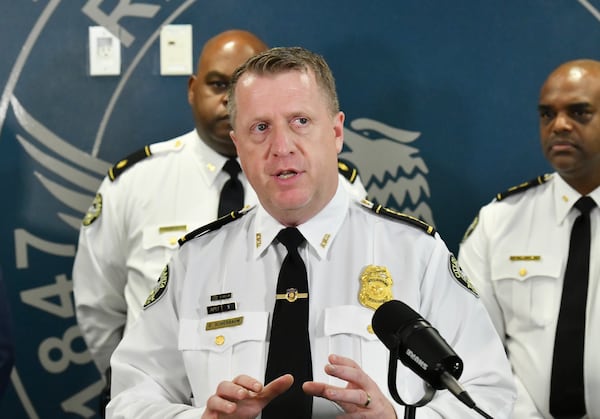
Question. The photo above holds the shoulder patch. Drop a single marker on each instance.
(93, 211)
(459, 275)
(471, 228)
(159, 289)
(381, 210)
(124, 164)
(215, 225)
(523, 186)
(348, 170)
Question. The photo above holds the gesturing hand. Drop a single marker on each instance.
(361, 398)
(244, 397)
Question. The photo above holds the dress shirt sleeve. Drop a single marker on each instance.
(100, 276)
(153, 385)
(462, 320)
(474, 259)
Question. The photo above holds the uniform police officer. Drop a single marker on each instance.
(201, 348)
(516, 252)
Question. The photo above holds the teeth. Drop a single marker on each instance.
(286, 175)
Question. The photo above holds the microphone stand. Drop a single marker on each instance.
(410, 409)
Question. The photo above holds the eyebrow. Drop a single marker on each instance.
(214, 73)
(577, 105)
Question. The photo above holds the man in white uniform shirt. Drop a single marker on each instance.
(515, 252)
(201, 346)
(157, 195)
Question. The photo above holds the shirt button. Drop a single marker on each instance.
(522, 271)
(219, 340)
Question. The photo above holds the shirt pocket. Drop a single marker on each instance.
(221, 347)
(162, 236)
(348, 332)
(526, 289)
(159, 242)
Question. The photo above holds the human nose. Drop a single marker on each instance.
(562, 123)
(282, 142)
(224, 98)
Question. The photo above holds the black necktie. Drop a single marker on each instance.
(232, 194)
(566, 389)
(289, 348)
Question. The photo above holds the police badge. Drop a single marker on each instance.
(375, 286)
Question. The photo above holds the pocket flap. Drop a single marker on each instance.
(352, 320)
(162, 236)
(224, 331)
(524, 266)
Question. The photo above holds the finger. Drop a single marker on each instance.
(344, 397)
(277, 386)
(216, 405)
(230, 391)
(342, 360)
(248, 383)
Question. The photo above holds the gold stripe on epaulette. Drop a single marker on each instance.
(523, 186)
(128, 161)
(380, 209)
(349, 172)
(215, 225)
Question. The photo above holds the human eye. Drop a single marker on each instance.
(260, 127)
(300, 121)
(581, 113)
(546, 113)
(218, 85)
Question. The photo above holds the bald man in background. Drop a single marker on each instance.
(518, 252)
(151, 198)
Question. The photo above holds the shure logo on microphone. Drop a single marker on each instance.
(417, 360)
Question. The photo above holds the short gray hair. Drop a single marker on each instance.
(281, 60)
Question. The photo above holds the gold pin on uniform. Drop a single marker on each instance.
(291, 295)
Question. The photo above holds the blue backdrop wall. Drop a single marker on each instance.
(440, 99)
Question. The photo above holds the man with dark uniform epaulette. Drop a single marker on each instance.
(516, 251)
(202, 346)
(156, 195)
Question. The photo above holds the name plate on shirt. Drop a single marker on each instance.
(170, 229)
(220, 324)
(221, 308)
(525, 257)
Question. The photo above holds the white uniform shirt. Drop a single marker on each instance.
(523, 294)
(169, 355)
(144, 211)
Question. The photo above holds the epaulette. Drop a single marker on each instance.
(379, 209)
(348, 170)
(124, 164)
(523, 186)
(215, 225)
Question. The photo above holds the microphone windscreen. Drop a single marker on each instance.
(389, 318)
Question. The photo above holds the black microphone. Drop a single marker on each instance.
(421, 347)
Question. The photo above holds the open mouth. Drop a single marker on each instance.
(286, 174)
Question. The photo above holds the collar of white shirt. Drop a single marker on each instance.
(319, 231)
(564, 197)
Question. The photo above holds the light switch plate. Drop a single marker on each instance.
(176, 50)
(105, 52)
